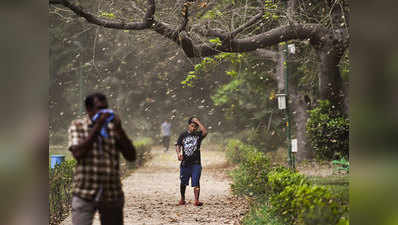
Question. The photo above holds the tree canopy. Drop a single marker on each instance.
(132, 33)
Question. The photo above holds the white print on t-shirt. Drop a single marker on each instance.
(190, 144)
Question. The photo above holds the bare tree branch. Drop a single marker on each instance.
(56, 2)
(317, 34)
(147, 21)
(166, 31)
(214, 33)
(252, 21)
(185, 14)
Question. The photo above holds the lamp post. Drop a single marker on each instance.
(283, 104)
(283, 101)
(292, 49)
(289, 139)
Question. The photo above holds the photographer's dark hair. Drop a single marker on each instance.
(89, 101)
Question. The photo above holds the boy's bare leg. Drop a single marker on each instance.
(196, 191)
(182, 191)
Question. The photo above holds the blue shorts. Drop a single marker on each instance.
(191, 171)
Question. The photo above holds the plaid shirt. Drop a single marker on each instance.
(96, 176)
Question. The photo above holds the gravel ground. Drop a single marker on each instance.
(152, 193)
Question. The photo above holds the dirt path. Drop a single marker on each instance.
(152, 193)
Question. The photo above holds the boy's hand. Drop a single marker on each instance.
(196, 120)
(180, 156)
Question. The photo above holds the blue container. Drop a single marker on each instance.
(56, 159)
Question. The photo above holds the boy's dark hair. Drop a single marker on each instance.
(89, 101)
(190, 120)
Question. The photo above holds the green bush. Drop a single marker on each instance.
(250, 178)
(282, 207)
(260, 215)
(328, 131)
(292, 198)
(283, 196)
(308, 204)
(318, 205)
(60, 185)
(279, 178)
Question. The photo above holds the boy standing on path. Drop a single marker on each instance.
(188, 152)
(95, 142)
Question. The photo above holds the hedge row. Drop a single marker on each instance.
(285, 196)
(60, 180)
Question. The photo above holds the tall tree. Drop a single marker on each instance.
(241, 26)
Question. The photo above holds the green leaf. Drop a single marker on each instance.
(216, 41)
(232, 73)
(108, 15)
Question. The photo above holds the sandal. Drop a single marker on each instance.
(181, 202)
(198, 203)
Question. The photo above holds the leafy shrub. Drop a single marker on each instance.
(328, 132)
(279, 178)
(251, 176)
(344, 221)
(60, 196)
(259, 215)
(281, 205)
(317, 205)
(307, 204)
(292, 198)
(282, 195)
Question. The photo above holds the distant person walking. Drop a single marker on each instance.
(165, 129)
(188, 152)
(95, 142)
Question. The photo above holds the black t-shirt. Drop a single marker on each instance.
(190, 145)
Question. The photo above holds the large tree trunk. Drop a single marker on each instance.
(300, 118)
(330, 81)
